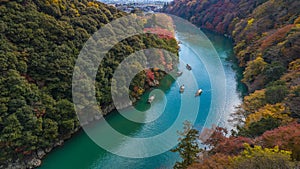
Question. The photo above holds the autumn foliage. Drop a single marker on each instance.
(286, 137)
(276, 37)
(217, 161)
(220, 143)
(162, 33)
(266, 35)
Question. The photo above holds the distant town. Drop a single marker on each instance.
(148, 6)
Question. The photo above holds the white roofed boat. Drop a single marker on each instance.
(199, 92)
(181, 90)
(151, 99)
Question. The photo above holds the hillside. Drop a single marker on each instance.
(266, 35)
(39, 43)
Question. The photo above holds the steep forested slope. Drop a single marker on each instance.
(266, 35)
(260, 28)
(39, 44)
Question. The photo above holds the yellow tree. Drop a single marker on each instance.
(253, 69)
(263, 158)
(254, 101)
(277, 111)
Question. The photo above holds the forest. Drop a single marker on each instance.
(266, 36)
(39, 44)
(41, 39)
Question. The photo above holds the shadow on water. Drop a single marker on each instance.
(224, 47)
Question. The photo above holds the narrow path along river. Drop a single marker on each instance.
(82, 153)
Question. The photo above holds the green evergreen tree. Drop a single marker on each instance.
(188, 147)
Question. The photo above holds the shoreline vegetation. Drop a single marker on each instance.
(265, 35)
(40, 41)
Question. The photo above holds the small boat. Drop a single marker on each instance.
(181, 90)
(198, 93)
(150, 99)
(179, 73)
(188, 67)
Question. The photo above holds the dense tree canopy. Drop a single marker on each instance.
(39, 44)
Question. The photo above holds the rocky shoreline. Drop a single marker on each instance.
(35, 160)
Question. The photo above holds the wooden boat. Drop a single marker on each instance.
(151, 99)
(179, 73)
(198, 93)
(188, 67)
(181, 90)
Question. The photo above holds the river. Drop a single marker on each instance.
(81, 152)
